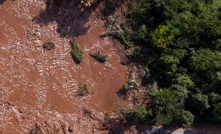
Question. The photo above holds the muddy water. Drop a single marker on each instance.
(39, 86)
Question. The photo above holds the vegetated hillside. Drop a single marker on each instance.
(183, 38)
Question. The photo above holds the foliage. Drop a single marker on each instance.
(185, 119)
(83, 89)
(136, 115)
(165, 105)
(217, 112)
(129, 87)
(124, 41)
(200, 102)
(76, 52)
(134, 53)
(213, 98)
(136, 99)
(121, 113)
(103, 57)
(206, 63)
(100, 57)
(162, 36)
(184, 58)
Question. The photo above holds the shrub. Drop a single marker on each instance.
(121, 113)
(100, 57)
(185, 119)
(125, 42)
(134, 53)
(76, 53)
(83, 89)
(103, 57)
(136, 99)
(136, 115)
(217, 112)
(200, 102)
(129, 86)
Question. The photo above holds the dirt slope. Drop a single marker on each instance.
(38, 87)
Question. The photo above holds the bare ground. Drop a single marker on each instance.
(38, 87)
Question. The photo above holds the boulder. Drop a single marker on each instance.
(49, 45)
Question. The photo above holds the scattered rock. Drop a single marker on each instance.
(36, 130)
(64, 127)
(49, 45)
(70, 129)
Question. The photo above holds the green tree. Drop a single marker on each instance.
(217, 112)
(136, 115)
(169, 63)
(165, 104)
(162, 36)
(185, 119)
(206, 63)
(184, 38)
(200, 102)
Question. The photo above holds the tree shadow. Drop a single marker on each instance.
(123, 95)
(110, 6)
(119, 126)
(2, 1)
(70, 18)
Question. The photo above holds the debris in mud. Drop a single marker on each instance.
(114, 29)
(36, 130)
(70, 129)
(49, 45)
(98, 56)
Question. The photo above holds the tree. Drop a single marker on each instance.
(213, 98)
(200, 102)
(136, 115)
(205, 63)
(129, 87)
(162, 36)
(184, 38)
(169, 63)
(217, 112)
(185, 119)
(165, 104)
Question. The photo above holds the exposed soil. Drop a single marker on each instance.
(38, 88)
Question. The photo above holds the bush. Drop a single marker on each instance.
(200, 102)
(217, 112)
(100, 57)
(185, 119)
(125, 42)
(130, 86)
(121, 113)
(136, 115)
(136, 99)
(76, 53)
(83, 89)
(103, 57)
(134, 53)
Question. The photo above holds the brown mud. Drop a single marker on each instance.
(38, 87)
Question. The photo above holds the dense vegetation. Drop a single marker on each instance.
(183, 38)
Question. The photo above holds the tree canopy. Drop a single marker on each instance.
(184, 42)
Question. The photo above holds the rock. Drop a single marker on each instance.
(49, 45)
(36, 130)
(70, 129)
